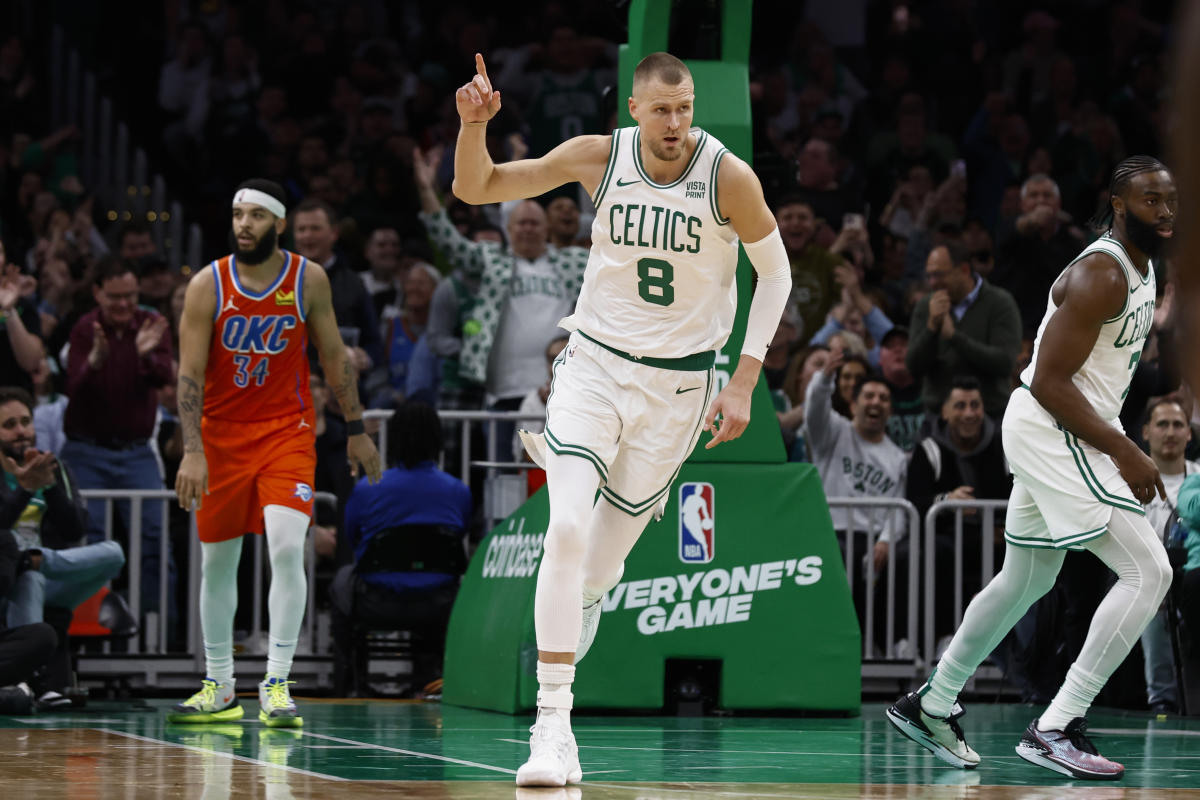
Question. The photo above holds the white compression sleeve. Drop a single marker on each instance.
(769, 259)
(218, 604)
(287, 532)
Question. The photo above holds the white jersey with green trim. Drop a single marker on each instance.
(660, 280)
(1105, 376)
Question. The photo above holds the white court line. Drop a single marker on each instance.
(233, 756)
(401, 751)
(727, 750)
(1145, 731)
(708, 790)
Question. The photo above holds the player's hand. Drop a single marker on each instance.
(476, 101)
(191, 482)
(1141, 473)
(363, 455)
(36, 470)
(733, 407)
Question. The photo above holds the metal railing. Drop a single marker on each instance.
(987, 567)
(866, 573)
(156, 626)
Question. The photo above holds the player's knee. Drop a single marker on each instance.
(1160, 575)
(287, 553)
(565, 540)
(597, 581)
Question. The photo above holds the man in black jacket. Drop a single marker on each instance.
(41, 506)
(962, 460)
(23, 649)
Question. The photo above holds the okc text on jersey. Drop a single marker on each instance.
(260, 333)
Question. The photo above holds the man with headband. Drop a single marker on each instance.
(248, 432)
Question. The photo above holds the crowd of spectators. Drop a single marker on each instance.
(931, 166)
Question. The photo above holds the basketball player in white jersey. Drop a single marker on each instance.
(1078, 483)
(631, 390)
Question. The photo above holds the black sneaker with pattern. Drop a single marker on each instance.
(1069, 752)
(941, 736)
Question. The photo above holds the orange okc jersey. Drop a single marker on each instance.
(257, 359)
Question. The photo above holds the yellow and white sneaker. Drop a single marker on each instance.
(215, 702)
(276, 707)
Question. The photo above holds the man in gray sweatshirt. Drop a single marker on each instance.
(855, 458)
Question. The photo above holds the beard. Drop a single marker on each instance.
(660, 152)
(1145, 237)
(261, 251)
(16, 450)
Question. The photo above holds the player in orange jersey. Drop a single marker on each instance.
(245, 408)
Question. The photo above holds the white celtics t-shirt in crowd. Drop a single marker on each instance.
(528, 321)
(1158, 511)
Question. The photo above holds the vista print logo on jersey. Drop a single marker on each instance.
(696, 523)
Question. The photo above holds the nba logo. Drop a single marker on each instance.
(696, 523)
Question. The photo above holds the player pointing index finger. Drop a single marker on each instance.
(631, 390)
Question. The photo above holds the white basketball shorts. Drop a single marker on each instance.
(1064, 490)
(635, 420)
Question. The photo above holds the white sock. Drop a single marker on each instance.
(552, 678)
(218, 604)
(941, 690)
(287, 532)
(1073, 699)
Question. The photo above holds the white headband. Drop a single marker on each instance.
(260, 199)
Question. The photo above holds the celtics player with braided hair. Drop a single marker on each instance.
(1078, 483)
(634, 386)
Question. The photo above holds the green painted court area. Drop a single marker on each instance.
(444, 747)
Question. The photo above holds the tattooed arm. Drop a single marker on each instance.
(195, 332)
(340, 374)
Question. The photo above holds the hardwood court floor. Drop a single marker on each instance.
(370, 749)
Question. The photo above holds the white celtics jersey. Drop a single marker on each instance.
(660, 280)
(1104, 378)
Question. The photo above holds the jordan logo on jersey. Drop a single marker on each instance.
(260, 333)
(229, 306)
(696, 523)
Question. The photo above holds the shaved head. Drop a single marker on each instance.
(663, 66)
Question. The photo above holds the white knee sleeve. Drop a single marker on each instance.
(218, 604)
(557, 614)
(287, 535)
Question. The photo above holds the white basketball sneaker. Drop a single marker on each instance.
(553, 755)
(587, 634)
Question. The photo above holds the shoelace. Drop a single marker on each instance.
(1076, 733)
(277, 693)
(206, 696)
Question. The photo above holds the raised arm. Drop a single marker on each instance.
(477, 180)
(1090, 292)
(339, 372)
(195, 333)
